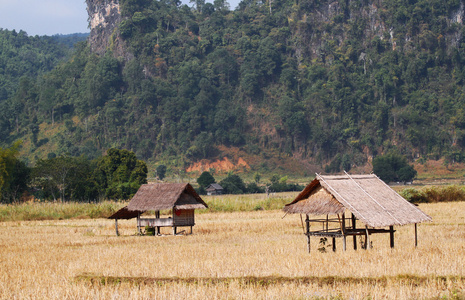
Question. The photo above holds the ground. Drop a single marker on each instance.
(234, 255)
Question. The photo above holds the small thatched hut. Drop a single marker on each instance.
(214, 189)
(366, 197)
(180, 198)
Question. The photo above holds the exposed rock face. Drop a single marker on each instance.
(104, 18)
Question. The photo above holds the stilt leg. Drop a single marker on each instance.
(367, 239)
(391, 236)
(307, 223)
(116, 227)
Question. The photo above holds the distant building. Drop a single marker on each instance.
(214, 189)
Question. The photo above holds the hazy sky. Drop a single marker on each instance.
(44, 17)
(49, 17)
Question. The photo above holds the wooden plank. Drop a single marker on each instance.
(154, 222)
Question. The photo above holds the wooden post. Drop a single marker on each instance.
(307, 223)
(116, 227)
(334, 244)
(157, 216)
(138, 223)
(174, 220)
(367, 238)
(344, 232)
(416, 235)
(391, 236)
(355, 236)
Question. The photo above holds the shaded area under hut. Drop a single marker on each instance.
(180, 198)
(366, 197)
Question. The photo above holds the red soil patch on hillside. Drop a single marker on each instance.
(220, 165)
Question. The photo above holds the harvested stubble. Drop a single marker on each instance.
(248, 255)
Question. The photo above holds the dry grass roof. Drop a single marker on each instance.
(366, 196)
(214, 187)
(125, 214)
(163, 196)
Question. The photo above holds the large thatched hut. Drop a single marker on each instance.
(365, 197)
(180, 198)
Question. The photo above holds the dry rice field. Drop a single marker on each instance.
(237, 255)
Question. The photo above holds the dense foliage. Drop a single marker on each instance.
(116, 175)
(393, 167)
(14, 174)
(205, 179)
(24, 56)
(330, 83)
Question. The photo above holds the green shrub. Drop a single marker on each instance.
(149, 230)
(413, 195)
(434, 194)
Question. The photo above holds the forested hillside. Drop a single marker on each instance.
(332, 83)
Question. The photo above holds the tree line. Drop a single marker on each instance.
(116, 175)
(234, 184)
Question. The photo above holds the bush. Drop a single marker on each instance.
(413, 195)
(434, 194)
(393, 167)
(205, 179)
(253, 188)
(233, 184)
(149, 230)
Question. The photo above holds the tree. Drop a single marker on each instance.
(66, 177)
(257, 177)
(205, 179)
(161, 171)
(393, 167)
(20, 178)
(233, 184)
(11, 170)
(120, 174)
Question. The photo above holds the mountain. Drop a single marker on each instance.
(309, 84)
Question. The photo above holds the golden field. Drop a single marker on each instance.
(231, 255)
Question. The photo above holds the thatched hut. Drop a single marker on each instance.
(214, 189)
(366, 197)
(180, 198)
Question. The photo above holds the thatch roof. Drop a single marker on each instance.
(214, 187)
(371, 200)
(125, 214)
(163, 196)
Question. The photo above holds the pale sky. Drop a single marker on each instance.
(49, 17)
(44, 17)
